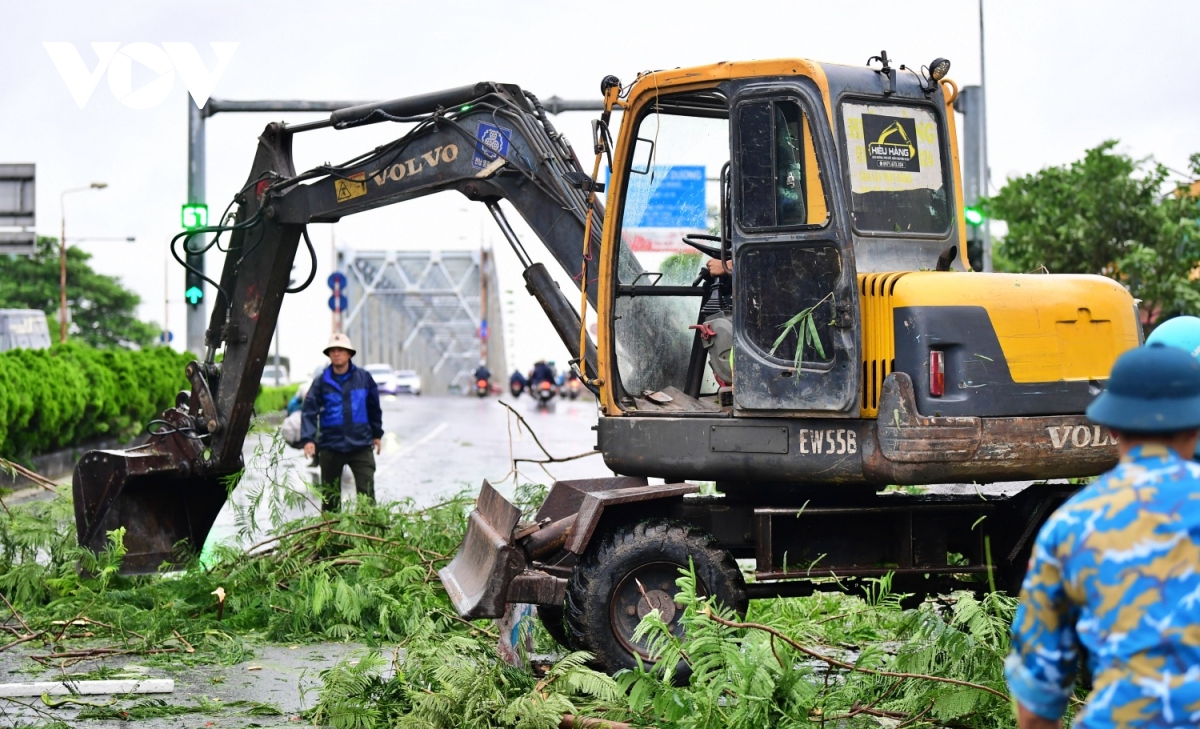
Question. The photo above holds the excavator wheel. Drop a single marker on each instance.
(552, 620)
(631, 570)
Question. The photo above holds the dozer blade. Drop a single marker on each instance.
(152, 491)
(478, 577)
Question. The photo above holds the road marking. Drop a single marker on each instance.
(90, 688)
(420, 441)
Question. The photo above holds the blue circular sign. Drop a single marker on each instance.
(337, 280)
(338, 303)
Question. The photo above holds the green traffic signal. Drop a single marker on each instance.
(195, 215)
(193, 295)
(974, 216)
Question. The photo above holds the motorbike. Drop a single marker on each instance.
(516, 388)
(481, 388)
(574, 388)
(544, 392)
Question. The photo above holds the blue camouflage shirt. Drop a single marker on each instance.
(1116, 571)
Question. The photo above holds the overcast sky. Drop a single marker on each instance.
(1062, 76)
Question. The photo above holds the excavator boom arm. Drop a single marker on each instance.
(488, 141)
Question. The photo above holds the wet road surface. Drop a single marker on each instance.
(437, 445)
(433, 448)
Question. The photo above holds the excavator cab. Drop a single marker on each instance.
(834, 194)
(784, 339)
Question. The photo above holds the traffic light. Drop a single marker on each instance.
(975, 217)
(193, 289)
(195, 215)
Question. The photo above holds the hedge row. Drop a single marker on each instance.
(71, 393)
(273, 399)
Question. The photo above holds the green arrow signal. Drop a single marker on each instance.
(193, 295)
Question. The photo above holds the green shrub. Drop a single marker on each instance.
(71, 393)
(272, 399)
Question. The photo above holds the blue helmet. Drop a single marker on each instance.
(1182, 332)
(1152, 389)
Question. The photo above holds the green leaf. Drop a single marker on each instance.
(816, 339)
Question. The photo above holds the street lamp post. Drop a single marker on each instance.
(62, 257)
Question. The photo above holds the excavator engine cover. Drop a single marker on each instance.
(155, 492)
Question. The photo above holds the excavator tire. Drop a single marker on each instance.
(552, 620)
(632, 567)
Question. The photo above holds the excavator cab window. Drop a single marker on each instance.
(673, 189)
(897, 177)
(780, 186)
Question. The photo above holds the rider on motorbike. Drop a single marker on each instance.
(517, 383)
(482, 376)
(542, 372)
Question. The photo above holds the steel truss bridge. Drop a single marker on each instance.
(423, 310)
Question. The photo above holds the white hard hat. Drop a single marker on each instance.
(342, 341)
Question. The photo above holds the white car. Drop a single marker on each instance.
(384, 377)
(407, 381)
(269, 376)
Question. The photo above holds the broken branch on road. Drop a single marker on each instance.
(541, 462)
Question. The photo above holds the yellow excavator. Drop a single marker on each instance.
(845, 351)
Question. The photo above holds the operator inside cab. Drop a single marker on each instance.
(789, 177)
(791, 210)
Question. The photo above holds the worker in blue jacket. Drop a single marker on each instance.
(343, 406)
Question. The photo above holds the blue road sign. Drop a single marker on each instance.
(338, 303)
(337, 280)
(166, 337)
(483, 330)
(676, 198)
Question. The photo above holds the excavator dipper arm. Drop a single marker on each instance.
(488, 141)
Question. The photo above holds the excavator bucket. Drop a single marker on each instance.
(478, 577)
(154, 492)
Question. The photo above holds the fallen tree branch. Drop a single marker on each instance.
(521, 420)
(291, 533)
(183, 640)
(15, 613)
(472, 626)
(540, 462)
(370, 537)
(570, 721)
(849, 666)
(134, 633)
(69, 658)
(556, 460)
(859, 708)
(36, 478)
(22, 639)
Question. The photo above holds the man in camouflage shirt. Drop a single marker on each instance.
(1116, 570)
